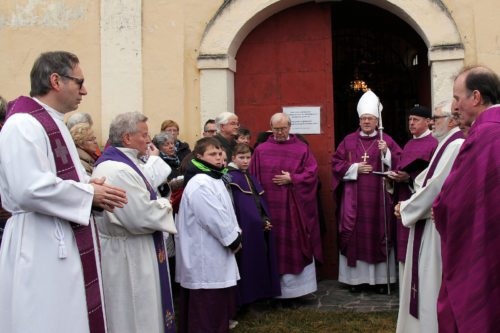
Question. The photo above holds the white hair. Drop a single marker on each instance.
(78, 118)
(161, 138)
(223, 118)
(280, 116)
(125, 123)
(445, 107)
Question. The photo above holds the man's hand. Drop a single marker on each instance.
(382, 145)
(282, 179)
(399, 176)
(397, 210)
(267, 225)
(364, 167)
(152, 150)
(106, 196)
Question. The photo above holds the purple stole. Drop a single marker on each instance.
(113, 154)
(83, 234)
(415, 157)
(419, 230)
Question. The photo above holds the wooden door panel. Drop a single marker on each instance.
(287, 61)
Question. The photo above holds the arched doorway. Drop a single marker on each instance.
(377, 47)
(237, 19)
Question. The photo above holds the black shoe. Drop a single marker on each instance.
(355, 289)
(290, 303)
(382, 290)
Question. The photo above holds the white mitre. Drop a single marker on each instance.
(368, 104)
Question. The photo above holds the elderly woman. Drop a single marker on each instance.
(165, 142)
(172, 128)
(86, 145)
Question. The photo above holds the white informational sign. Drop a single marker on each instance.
(305, 119)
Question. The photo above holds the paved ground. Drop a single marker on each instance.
(334, 296)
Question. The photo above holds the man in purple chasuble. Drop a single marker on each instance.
(363, 254)
(415, 157)
(467, 212)
(288, 173)
(49, 259)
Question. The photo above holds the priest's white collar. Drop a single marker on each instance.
(131, 153)
(423, 135)
(371, 135)
(50, 109)
(447, 135)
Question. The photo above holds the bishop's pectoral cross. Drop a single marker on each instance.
(365, 157)
(414, 291)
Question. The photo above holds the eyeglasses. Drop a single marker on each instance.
(280, 129)
(77, 80)
(367, 118)
(434, 118)
(211, 131)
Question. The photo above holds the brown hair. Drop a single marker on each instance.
(168, 123)
(202, 145)
(241, 148)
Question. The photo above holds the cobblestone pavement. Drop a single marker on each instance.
(334, 296)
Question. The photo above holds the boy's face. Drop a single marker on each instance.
(242, 161)
(212, 155)
(243, 139)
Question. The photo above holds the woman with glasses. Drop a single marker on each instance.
(86, 145)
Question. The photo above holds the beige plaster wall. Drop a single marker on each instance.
(30, 27)
(172, 32)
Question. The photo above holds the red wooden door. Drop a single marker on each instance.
(287, 61)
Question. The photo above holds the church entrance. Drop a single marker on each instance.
(374, 47)
(314, 55)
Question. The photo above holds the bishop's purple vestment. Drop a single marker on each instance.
(257, 260)
(293, 207)
(467, 217)
(360, 212)
(415, 157)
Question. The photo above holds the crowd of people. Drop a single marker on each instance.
(105, 239)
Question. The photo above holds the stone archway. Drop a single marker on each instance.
(227, 32)
(235, 19)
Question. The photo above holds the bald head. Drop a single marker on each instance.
(280, 116)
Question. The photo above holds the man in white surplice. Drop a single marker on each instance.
(418, 207)
(41, 278)
(129, 266)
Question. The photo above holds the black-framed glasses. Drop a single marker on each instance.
(434, 118)
(77, 80)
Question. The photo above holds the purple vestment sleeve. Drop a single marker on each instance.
(467, 216)
(415, 157)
